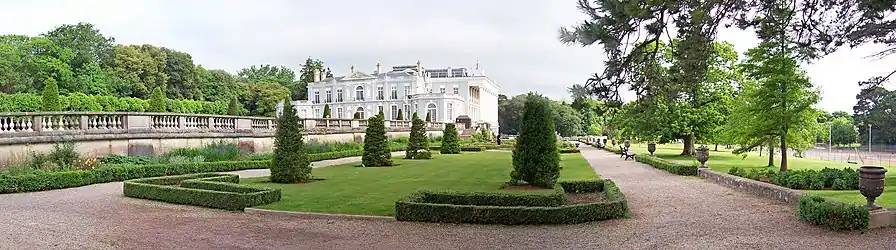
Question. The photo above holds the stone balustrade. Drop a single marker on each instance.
(54, 126)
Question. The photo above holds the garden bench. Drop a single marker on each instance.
(628, 155)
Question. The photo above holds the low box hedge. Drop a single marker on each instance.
(206, 189)
(613, 150)
(67, 179)
(833, 215)
(472, 149)
(671, 167)
(551, 199)
(569, 151)
(422, 206)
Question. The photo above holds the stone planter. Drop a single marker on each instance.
(871, 183)
(702, 155)
(651, 147)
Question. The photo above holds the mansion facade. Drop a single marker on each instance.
(445, 94)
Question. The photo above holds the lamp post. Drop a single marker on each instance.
(869, 138)
(830, 139)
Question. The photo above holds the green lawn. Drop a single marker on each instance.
(349, 189)
(723, 160)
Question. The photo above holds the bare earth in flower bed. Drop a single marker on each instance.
(667, 212)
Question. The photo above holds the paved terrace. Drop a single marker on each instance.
(668, 212)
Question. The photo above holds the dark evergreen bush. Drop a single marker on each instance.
(50, 100)
(450, 140)
(290, 163)
(157, 101)
(400, 116)
(418, 145)
(428, 117)
(326, 111)
(357, 115)
(376, 145)
(535, 158)
(234, 107)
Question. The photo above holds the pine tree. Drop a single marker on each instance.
(50, 100)
(418, 145)
(157, 101)
(326, 111)
(290, 163)
(428, 117)
(357, 115)
(376, 145)
(234, 107)
(400, 116)
(450, 140)
(535, 158)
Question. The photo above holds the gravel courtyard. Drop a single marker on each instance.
(667, 211)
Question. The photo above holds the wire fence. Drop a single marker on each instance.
(881, 155)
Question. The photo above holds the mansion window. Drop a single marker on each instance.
(379, 109)
(407, 112)
(360, 112)
(339, 113)
(431, 111)
(317, 113)
(456, 90)
(407, 90)
(394, 92)
(316, 96)
(329, 97)
(394, 112)
(379, 93)
(359, 96)
(450, 111)
(442, 89)
(339, 95)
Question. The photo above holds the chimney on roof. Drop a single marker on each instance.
(477, 64)
(419, 68)
(316, 75)
(352, 69)
(378, 69)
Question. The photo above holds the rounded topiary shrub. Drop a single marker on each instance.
(535, 157)
(450, 140)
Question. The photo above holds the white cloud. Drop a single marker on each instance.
(515, 41)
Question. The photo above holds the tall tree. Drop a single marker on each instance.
(290, 163)
(88, 44)
(536, 159)
(843, 132)
(181, 81)
(306, 75)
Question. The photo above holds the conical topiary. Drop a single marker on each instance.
(157, 101)
(376, 144)
(428, 117)
(400, 116)
(50, 98)
(326, 111)
(290, 163)
(418, 145)
(234, 107)
(450, 140)
(535, 158)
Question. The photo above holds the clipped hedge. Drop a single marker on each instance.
(552, 199)
(421, 206)
(569, 151)
(613, 150)
(472, 149)
(24, 102)
(833, 215)
(206, 189)
(671, 167)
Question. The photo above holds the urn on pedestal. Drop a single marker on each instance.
(628, 143)
(702, 155)
(651, 147)
(871, 184)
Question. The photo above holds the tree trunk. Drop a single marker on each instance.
(771, 156)
(717, 147)
(760, 150)
(783, 154)
(688, 146)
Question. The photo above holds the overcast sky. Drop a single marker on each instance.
(515, 43)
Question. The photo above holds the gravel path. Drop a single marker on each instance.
(667, 212)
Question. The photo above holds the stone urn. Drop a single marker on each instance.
(628, 143)
(651, 147)
(702, 155)
(614, 142)
(871, 183)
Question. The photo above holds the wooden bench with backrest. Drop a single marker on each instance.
(627, 154)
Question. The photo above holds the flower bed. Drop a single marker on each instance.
(827, 178)
(512, 209)
(206, 189)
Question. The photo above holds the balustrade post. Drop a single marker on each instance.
(243, 124)
(84, 124)
(37, 123)
(387, 124)
(181, 122)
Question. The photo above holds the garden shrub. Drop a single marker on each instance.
(536, 160)
(376, 146)
(827, 178)
(234, 107)
(326, 111)
(472, 149)
(50, 99)
(216, 151)
(157, 101)
(450, 140)
(62, 157)
(513, 209)
(206, 189)
(569, 151)
(668, 166)
(833, 215)
(28, 102)
(418, 145)
(316, 147)
(290, 163)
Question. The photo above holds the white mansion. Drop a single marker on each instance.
(444, 94)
